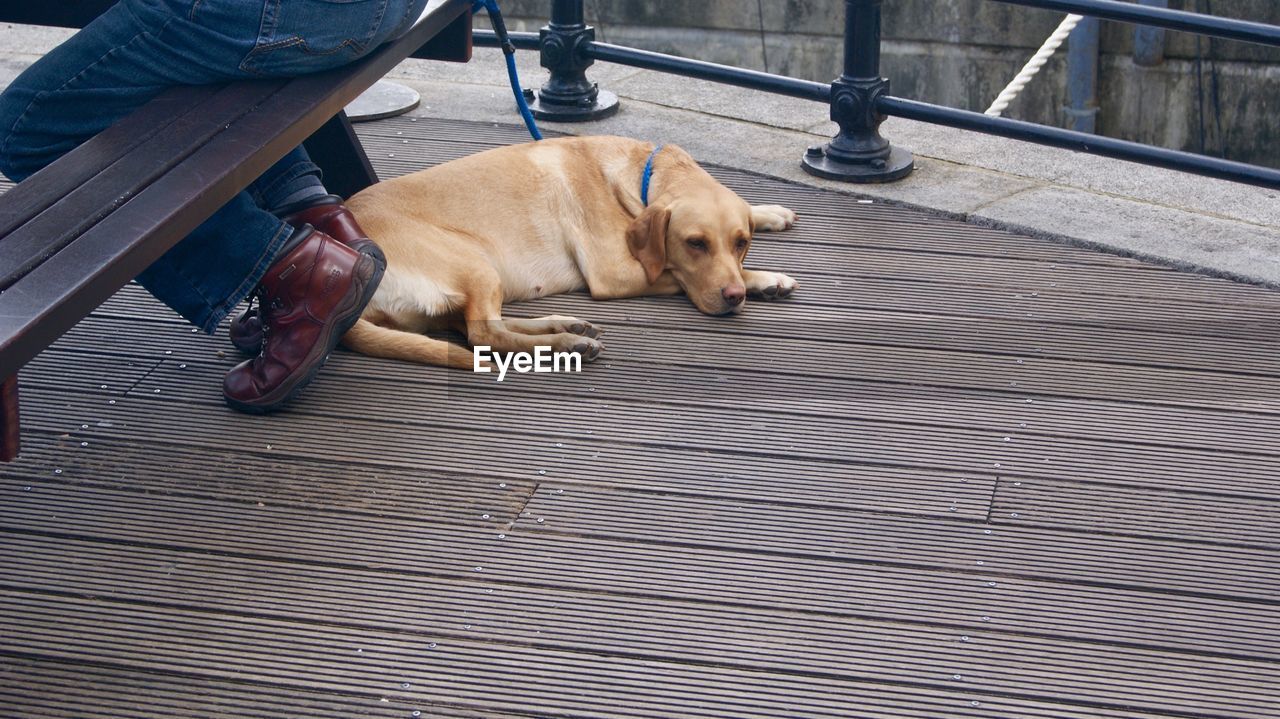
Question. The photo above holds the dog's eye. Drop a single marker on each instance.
(742, 244)
(697, 244)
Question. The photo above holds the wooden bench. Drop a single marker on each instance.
(77, 231)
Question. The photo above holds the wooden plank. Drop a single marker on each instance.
(797, 396)
(1020, 378)
(805, 319)
(441, 453)
(635, 438)
(1144, 565)
(1147, 512)
(800, 319)
(44, 689)
(1208, 323)
(803, 400)
(331, 544)
(659, 632)
(474, 675)
(581, 418)
(98, 378)
(256, 474)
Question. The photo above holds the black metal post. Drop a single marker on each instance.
(858, 153)
(568, 96)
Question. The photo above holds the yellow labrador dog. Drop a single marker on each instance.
(543, 218)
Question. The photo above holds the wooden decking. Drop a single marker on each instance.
(962, 473)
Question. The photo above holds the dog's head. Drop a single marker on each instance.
(699, 231)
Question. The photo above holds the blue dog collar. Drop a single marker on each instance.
(648, 174)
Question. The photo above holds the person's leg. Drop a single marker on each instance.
(293, 181)
(102, 74)
(218, 265)
(314, 287)
(139, 48)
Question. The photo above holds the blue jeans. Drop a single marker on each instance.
(138, 49)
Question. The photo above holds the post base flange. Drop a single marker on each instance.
(896, 166)
(605, 105)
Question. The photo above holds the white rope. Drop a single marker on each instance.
(1033, 65)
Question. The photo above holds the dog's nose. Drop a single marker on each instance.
(734, 294)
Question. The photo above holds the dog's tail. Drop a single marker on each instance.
(370, 339)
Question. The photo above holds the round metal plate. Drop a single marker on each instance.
(384, 99)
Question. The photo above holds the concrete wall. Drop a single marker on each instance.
(961, 53)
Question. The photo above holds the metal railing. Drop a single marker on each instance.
(860, 99)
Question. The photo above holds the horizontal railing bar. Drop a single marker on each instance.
(1228, 28)
(522, 40)
(925, 112)
(1081, 141)
(752, 79)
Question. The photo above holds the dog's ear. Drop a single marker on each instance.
(647, 240)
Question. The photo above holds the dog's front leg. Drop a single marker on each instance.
(768, 285)
(771, 218)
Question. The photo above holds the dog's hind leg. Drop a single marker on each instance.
(551, 325)
(377, 341)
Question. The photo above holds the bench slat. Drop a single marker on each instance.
(77, 211)
(61, 290)
(36, 193)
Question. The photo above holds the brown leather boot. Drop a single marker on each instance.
(310, 297)
(331, 217)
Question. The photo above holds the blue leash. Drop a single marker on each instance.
(648, 174)
(509, 50)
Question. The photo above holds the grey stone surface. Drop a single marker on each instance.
(1186, 239)
(708, 97)
(1102, 175)
(30, 39)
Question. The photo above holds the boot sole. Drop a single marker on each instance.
(349, 315)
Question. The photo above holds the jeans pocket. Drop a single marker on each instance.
(302, 36)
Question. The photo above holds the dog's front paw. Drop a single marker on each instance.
(772, 218)
(770, 285)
